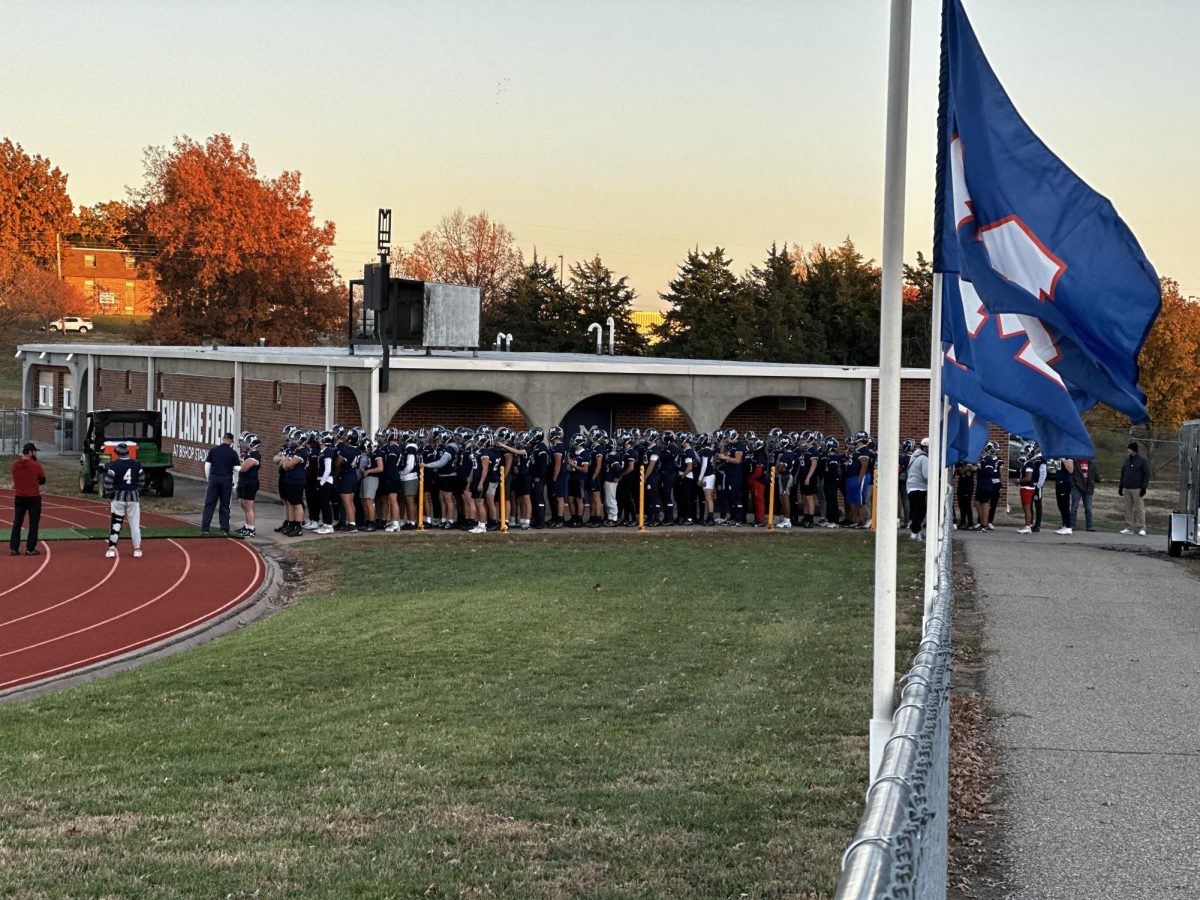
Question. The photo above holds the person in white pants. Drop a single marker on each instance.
(124, 480)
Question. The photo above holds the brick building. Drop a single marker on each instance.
(205, 391)
(110, 279)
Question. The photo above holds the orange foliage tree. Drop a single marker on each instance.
(466, 249)
(237, 257)
(34, 205)
(1170, 361)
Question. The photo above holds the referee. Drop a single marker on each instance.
(218, 469)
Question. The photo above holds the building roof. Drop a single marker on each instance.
(483, 360)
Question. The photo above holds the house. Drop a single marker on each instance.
(109, 277)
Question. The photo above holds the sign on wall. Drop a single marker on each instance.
(194, 427)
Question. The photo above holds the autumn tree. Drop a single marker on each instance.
(32, 295)
(464, 249)
(917, 314)
(1170, 361)
(595, 296)
(238, 257)
(34, 205)
(112, 223)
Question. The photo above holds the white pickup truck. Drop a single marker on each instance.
(72, 323)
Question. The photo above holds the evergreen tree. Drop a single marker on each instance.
(535, 310)
(786, 330)
(843, 288)
(595, 297)
(711, 315)
(918, 312)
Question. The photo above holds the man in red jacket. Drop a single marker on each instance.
(28, 476)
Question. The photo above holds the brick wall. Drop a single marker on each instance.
(453, 408)
(120, 389)
(648, 412)
(763, 413)
(345, 408)
(914, 408)
(299, 404)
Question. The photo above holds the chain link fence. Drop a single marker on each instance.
(899, 851)
(50, 429)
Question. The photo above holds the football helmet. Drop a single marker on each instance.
(326, 438)
(908, 445)
(732, 434)
(991, 447)
(650, 435)
(536, 434)
(579, 440)
(556, 433)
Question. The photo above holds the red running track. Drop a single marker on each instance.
(72, 607)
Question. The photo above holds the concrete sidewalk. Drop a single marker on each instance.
(1094, 671)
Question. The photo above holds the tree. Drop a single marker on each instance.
(1170, 361)
(917, 313)
(786, 330)
(463, 249)
(107, 224)
(844, 288)
(33, 295)
(535, 310)
(595, 297)
(711, 317)
(34, 205)
(238, 257)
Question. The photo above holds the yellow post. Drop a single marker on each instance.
(503, 507)
(642, 499)
(421, 500)
(874, 497)
(771, 502)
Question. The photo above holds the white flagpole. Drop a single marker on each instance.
(891, 302)
(937, 456)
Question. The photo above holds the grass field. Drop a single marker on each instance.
(679, 717)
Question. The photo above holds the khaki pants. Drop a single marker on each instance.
(1135, 509)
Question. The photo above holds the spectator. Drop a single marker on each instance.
(1083, 484)
(1062, 493)
(1135, 479)
(28, 476)
(918, 489)
(964, 474)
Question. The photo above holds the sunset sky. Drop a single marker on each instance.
(634, 130)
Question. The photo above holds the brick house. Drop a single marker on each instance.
(109, 277)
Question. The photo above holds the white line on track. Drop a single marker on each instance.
(45, 562)
(141, 643)
(186, 568)
(39, 612)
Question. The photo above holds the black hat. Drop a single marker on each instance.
(29, 448)
(1133, 446)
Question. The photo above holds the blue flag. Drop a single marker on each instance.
(1032, 237)
(999, 366)
(966, 434)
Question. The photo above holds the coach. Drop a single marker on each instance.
(218, 469)
(28, 476)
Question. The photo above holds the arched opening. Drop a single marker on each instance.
(453, 408)
(761, 414)
(346, 411)
(613, 411)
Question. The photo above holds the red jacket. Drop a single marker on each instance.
(27, 475)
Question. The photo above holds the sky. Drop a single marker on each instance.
(632, 130)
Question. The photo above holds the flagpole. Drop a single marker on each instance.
(890, 318)
(937, 456)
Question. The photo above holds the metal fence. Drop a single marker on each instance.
(899, 851)
(50, 429)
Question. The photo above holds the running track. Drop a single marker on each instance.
(72, 608)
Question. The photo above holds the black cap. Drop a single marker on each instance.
(29, 448)
(1133, 446)
(229, 435)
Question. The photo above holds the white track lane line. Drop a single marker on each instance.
(60, 637)
(45, 562)
(57, 605)
(140, 643)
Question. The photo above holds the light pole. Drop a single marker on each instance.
(560, 270)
